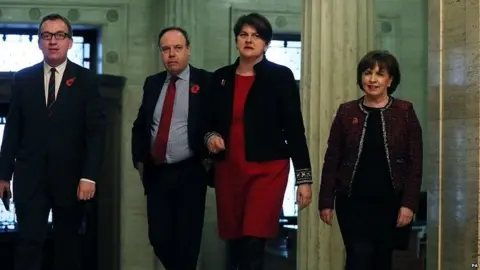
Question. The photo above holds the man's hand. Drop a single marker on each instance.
(215, 144)
(86, 190)
(304, 195)
(4, 186)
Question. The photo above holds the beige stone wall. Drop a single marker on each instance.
(454, 111)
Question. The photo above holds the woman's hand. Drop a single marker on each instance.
(405, 216)
(215, 144)
(304, 195)
(326, 215)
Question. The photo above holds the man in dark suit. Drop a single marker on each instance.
(168, 152)
(53, 144)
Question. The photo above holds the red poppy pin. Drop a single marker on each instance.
(195, 89)
(355, 121)
(70, 81)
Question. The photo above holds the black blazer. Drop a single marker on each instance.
(141, 135)
(60, 147)
(273, 120)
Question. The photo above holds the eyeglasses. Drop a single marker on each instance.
(168, 49)
(57, 35)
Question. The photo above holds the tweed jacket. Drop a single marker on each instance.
(403, 149)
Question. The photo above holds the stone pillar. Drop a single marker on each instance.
(453, 135)
(334, 38)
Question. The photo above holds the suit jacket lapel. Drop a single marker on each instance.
(152, 99)
(38, 87)
(193, 97)
(68, 76)
(227, 85)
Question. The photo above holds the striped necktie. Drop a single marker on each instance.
(51, 88)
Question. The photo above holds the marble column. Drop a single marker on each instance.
(453, 135)
(334, 38)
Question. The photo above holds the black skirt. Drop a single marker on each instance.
(372, 220)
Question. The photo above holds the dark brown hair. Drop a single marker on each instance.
(257, 21)
(54, 17)
(385, 61)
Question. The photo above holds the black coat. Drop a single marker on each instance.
(273, 120)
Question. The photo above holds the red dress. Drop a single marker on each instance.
(249, 194)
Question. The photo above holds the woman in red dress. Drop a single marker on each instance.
(255, 127)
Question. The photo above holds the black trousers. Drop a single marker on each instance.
(246, 253)
(175, 211)
(32, 218)
(365, 255)
(368, 230)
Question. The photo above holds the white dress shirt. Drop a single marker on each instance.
(58, 80)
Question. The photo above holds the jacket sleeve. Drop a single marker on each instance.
(95, 132)
(206, 112)
(411, 194)
(138, 131)
(331, 163)
(209, 103)
(294, 129)
(11, 134)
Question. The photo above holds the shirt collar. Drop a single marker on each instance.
(184, 75)
(60, 68)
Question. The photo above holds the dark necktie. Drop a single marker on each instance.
(51, 88)
(160, 144)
